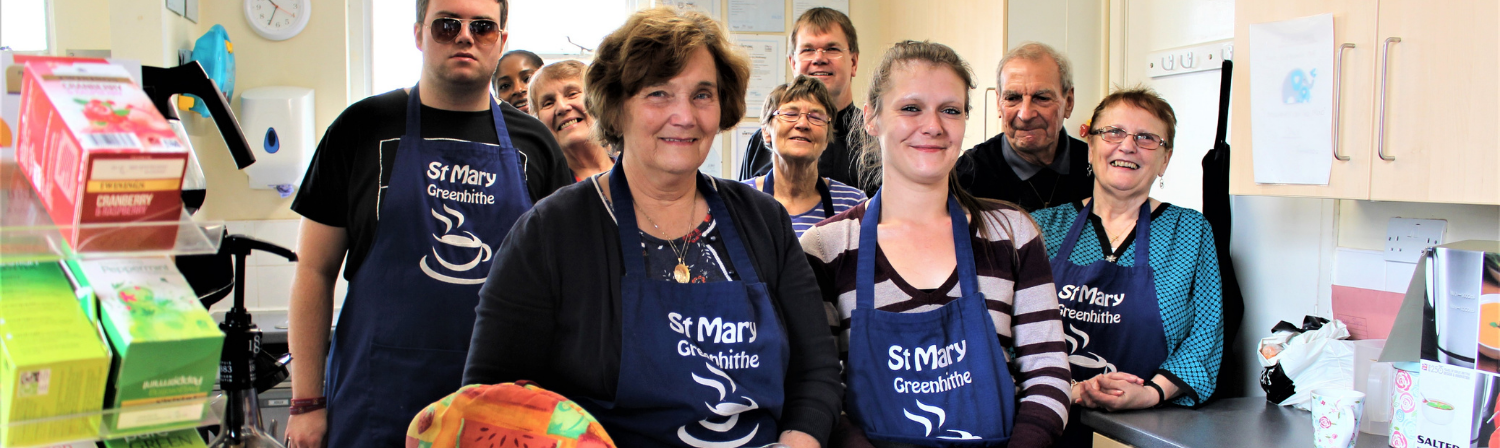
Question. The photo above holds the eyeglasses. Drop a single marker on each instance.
(815, 118)
(808, 54)
(1143, 140)
(446, 29)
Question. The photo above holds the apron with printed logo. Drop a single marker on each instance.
(701, 364)
(1111, 319)
(403, 335)
(768, 186)
(936, 378)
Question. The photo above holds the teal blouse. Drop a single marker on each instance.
(1187, 285)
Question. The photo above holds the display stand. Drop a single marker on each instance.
(28, 235)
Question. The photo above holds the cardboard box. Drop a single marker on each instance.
(96, 151)
(1455, 407)
(186, 438)
(52, 362)
(166, 345)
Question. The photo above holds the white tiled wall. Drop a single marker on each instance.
(268, 278)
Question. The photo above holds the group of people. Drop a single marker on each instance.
(565, 236)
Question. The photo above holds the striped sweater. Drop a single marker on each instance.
(1014, 276)
(844, 197)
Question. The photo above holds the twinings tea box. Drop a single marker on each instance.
(97, 151)
(186, 438)
(52, 362)
(166, 345)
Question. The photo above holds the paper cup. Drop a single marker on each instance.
(1335, 417)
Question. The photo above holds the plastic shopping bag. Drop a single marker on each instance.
(1300, 360)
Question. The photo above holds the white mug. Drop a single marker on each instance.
(1335, 416)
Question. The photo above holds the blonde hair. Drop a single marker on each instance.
(568, 69)
(943, 56)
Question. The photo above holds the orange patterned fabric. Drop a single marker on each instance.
(505, 415)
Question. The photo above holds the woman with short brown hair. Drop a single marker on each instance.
(677, 308)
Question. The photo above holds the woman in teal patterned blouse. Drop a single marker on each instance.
(1137, 279)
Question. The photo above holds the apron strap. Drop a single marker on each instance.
(1066, 250)
(768, 187)
(968, 274)
(963, 250)
(630, 236)
(1142, 233)
(413, 133)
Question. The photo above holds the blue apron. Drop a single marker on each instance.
(768, 186)
(403, 334)
(701, 364)
(1111, 318)
(913, 377)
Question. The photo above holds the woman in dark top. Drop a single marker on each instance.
(707, 329)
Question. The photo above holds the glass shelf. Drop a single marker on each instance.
(109, 424)
(27, 233)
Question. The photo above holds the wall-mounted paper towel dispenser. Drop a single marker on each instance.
(278, 122)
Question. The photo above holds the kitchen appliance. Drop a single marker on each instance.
(1454, 281)
(241, 427)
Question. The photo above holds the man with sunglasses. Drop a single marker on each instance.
(826, 48)
(1033, 162)
(411, 191)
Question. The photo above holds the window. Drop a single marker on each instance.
(23, 25)
(542, 27)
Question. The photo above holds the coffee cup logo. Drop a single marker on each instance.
(466, 241)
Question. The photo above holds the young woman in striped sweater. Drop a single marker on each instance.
(943, 304)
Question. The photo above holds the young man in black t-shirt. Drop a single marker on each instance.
(404, 213)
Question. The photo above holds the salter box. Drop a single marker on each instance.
(167, 346)
(97, 152)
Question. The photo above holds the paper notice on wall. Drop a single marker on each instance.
(767, 68)
(1291, 100)
(713, 165)
(710, 7)
(757, 16)
(801, 6)
(742, 135)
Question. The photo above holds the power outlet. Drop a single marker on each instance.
(1405, 238)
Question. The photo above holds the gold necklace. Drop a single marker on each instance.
(1113, 243)
(681, 273)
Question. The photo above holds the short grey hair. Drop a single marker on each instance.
(1033, 51)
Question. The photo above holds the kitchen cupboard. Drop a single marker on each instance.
(1417, 105)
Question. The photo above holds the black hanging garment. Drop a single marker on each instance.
(1216, 210)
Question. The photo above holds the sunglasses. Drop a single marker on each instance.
(446, 29)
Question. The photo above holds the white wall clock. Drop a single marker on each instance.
(277, 19)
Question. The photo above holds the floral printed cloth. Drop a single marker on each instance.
(505, 415)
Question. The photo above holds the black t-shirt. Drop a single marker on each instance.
(353, 164)
(984, 172)
(839, 162)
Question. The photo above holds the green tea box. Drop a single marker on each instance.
(52, 361)
(184, 438)
(166, 345)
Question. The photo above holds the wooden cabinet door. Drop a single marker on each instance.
(1441, 103)
(1353, 22)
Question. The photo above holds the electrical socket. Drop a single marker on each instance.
(1405, 238)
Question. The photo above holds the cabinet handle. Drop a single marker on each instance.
(986, 110)
(1385, 77)
(1338, 93)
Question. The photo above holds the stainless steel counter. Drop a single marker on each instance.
(1231, 422)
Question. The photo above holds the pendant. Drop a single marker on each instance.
(1110, 258)
(681, 274)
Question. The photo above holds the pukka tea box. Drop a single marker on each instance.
(184, 438)
(166, 345)
(52, 361)
(97, 151)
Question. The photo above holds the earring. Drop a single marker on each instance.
(1161, 182)
(1091, 169)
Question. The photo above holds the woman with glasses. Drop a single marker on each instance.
(797, 126)
(1137, 279)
